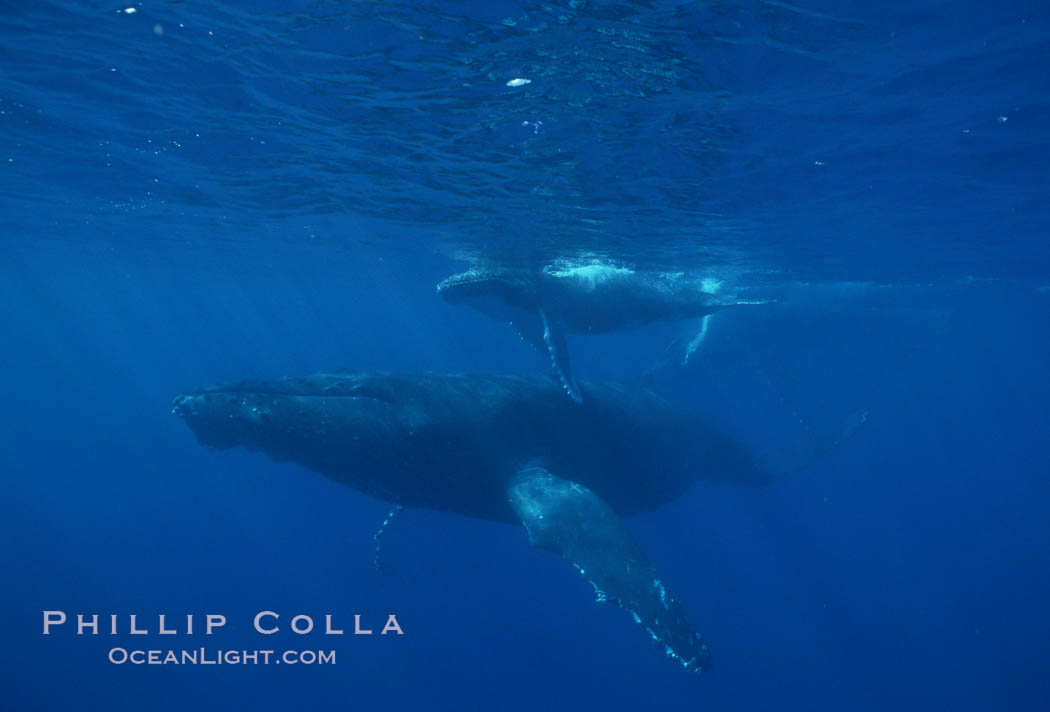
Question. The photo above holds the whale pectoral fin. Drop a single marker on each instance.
(697, 340)
(554, 338)
(529, 326)
(569, 519)
(545, 334)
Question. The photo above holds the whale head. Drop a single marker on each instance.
(490, 291)
(435, 440)
(365, 412)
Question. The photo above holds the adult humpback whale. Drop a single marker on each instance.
(500, 447)
(592, 298)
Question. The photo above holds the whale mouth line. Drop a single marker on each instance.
(446, 287)
(328, 392)
(467, 283)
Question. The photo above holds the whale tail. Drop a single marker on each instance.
(819, 440)
(742, 370)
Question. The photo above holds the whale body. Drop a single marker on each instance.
(597, 298)
(502, 447)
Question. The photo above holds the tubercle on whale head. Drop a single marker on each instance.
(199, 413)
(360, 410)
(479, 283)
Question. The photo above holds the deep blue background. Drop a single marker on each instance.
(266, 192)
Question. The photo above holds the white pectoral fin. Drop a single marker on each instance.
(558, 349)
(694, 343)
(569, 519)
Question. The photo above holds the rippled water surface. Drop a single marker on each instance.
(838, 140)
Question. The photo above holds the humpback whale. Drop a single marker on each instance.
(502, 447)
(591, 298)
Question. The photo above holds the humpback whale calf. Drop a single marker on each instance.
(509, 448)
(591, 298)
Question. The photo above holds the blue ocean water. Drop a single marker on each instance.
(196, 192)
